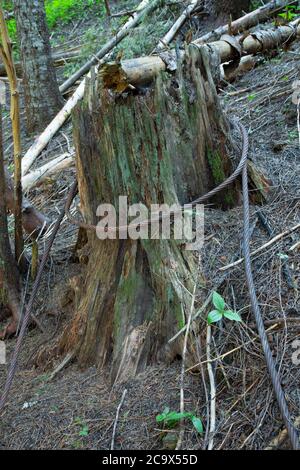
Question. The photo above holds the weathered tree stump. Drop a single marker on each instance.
(169, 144)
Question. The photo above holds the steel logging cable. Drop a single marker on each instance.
(282, 403)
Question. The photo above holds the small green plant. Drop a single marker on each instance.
(62, 11)
(84, 429)
(65, 10)
(292, 135)
(251, 97)
(220, 311)
(171, 418)
(290, 13)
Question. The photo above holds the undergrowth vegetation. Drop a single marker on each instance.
(140, 40)
(57, 11)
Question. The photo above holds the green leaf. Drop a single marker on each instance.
(230, 315)
(218, 301)
(163, 415)
(174, 416)
(84, 431)
(197, 424)
(214, 316)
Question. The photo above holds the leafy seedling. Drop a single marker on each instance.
(251, 97)
(220, 311)
(171, 418)
(290, 13)
(84, 429)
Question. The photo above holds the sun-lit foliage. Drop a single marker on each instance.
(57, 11)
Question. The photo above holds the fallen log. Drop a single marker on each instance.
(65, 112)
(59, 59)
(49, 169)
(145, 7)
(247, 63)
(165, 41)
(247, 21)
(142, 70)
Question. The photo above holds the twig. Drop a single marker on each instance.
(212, 424)
(116, 419)
(263, 247)
(123, 13)
(184, 351)
(295, 246)
(222, 356)
(197, 314)
(60, 366)
(278, 321)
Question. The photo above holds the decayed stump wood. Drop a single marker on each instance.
(168, 145)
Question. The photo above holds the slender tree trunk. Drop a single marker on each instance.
(166, 146)
(42, 96)
(33, 221)
(6, 53)
(222, 9)
(9, 274)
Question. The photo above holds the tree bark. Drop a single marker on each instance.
(222, 9)
(6, 54)
(166, 146)
(33, 221)
(42, 97)
(9, 274)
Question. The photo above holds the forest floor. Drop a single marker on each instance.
(76, 409)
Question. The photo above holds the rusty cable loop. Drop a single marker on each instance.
(241, 168)
(160, 217)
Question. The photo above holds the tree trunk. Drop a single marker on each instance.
(42, 96)
(9, 274)
(168, 145)
(33, 221)
(222, 9)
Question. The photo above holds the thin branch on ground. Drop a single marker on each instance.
(184, 351)
(211, 375)
(116, 420)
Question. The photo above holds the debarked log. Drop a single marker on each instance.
(141, 71)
